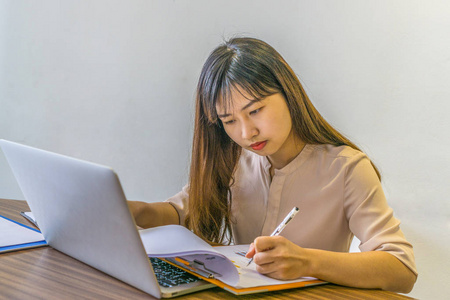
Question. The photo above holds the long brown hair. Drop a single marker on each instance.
(254, 67)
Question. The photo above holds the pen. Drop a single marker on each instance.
(280, 227)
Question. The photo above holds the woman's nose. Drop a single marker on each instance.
(249, 130)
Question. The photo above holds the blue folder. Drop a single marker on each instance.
(25, 245)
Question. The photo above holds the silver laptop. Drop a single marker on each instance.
(82, 211)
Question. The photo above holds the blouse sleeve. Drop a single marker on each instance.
(180, 202)
(370, 218)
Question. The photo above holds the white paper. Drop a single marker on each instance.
(13, 234)
(30, 217)
(173, 240)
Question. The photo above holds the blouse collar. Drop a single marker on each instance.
(293, 165)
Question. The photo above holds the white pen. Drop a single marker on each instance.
(280, 227)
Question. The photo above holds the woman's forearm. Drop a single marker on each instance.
(373, 269)
(277, 257)
(154, 214)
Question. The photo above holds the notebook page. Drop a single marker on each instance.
(173, 240)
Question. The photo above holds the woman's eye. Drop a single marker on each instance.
(255, 111)
(229, 122)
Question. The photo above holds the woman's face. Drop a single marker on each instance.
(263, 127)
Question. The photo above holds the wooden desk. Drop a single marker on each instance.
(49, 274)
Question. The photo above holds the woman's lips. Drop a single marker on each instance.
(258, 146)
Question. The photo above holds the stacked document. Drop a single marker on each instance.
(16, 236)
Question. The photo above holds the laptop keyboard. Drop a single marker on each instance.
(168, 275)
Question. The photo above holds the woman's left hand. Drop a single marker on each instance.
(279, 258)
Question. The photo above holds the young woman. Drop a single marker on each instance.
(260, 148)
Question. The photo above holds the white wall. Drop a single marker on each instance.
(113, 82)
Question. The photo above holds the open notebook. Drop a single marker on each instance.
(225, 266)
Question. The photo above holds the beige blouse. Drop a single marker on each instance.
(335, 188)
